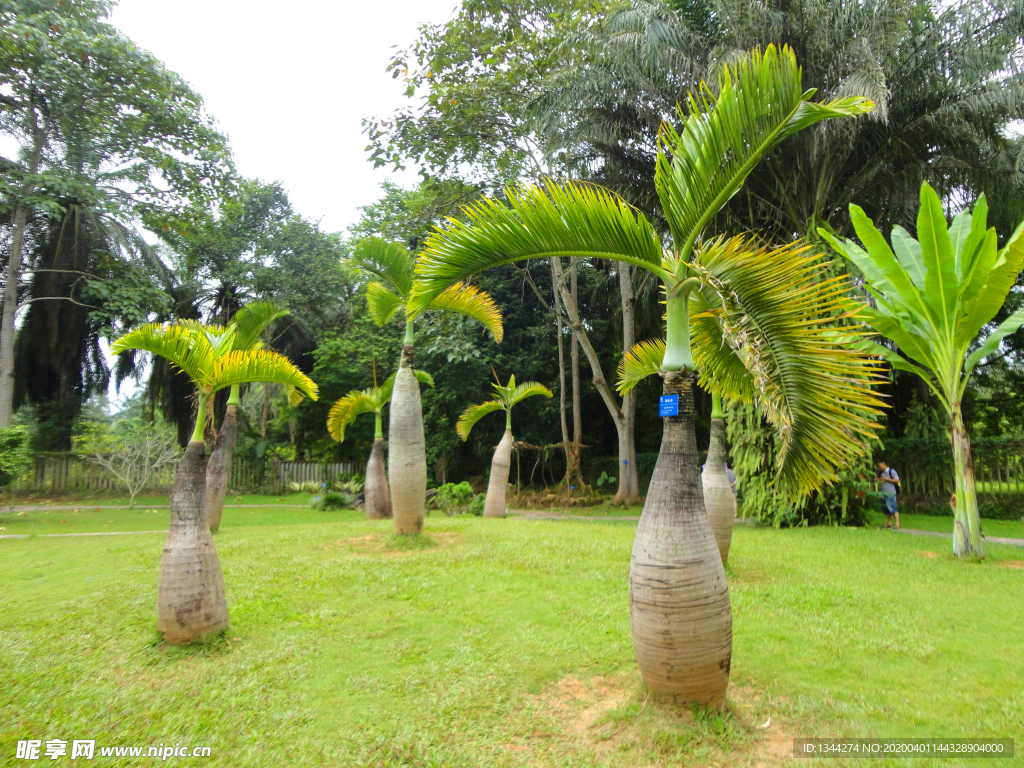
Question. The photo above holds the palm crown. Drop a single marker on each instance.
(760, 317)
(360, 401)
(207, 355)
(504, 398)
(934, 296)
(394, 267)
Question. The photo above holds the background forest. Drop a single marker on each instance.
(124, 200)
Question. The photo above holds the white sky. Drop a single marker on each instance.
(290, 84)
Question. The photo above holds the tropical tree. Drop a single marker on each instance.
(645, 359)
(504, 398)
(191, 599)
(933, 297)
(359, 401)
(765, 332)
(393, 265)
(246, 327)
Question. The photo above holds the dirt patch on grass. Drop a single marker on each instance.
(930, 555)
(616, 719)
(390, 544)
(1018, 564)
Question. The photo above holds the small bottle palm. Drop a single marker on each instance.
(505, 398)
(191, 600)
(377, 497)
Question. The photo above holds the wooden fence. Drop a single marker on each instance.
(67, 473)
(926, 466)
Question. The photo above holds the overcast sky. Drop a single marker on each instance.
(289, 83)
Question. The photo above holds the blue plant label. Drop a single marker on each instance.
(668, 405)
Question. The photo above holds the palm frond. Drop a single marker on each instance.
(721, 367)
(778, 314)
(760, 102)
(558, 219)
(382, 303)
(252, 320)
(643, 360)
(529, 389)
(473, 414)
(424, 378)
(473, 303)
(181, 346)
(254, 365)
(356, 402)
(390, 262)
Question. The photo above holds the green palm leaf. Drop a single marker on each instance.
(382, 303)
(473, 414)
(528, 389)
(250, 366)
(355, 403)
(252, 320)
(185, 349)
(473, 303)
(558, 219)
(760, 102)
(388, 261)
(779, 316)
(643, 360)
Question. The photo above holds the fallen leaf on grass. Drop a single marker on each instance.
(767, 724)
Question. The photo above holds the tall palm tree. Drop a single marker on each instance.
(764, 333)
(344, 412)
(504, 398)
(191, 599)
(933, 298)
(393, 267)
(247, 328)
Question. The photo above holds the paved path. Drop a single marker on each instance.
(992, 539)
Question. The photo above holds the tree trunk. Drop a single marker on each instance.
(966, 519)
(191, 600)
(407, 450)
(497, 484)
(375, 491)
(10, 310)
(629, 481)
(219, 469)
(577, 389)
(562, 410)
(718, 499)
(678, 597)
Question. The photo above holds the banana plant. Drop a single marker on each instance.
(389, 294)
(760, 336)
(934, 297)
(505, 397)
(190, 600)
(377, 498)
(248, 326)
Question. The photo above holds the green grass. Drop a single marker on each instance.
(120, 499)
(504, 643)
(599, 510)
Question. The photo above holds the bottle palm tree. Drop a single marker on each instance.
(191, 599)
(644, 360)
(393, 265)
(764, 333)
(933, 297)
(248, 326)
(504, 398)
(377, 496)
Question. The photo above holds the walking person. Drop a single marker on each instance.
(888, 482)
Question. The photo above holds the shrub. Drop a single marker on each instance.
(353, 485)
(476, 506)
(14, 455)
(454, 498)
(309, 486)
(333, 500)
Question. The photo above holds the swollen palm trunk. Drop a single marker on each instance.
(378, 498)
(718, 498)
(219, 468)
(407, 457)
(678, 598)
(494, 505)
(190, 601)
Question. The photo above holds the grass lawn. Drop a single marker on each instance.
(107, 500)
(505, 643)
(1010, 529)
